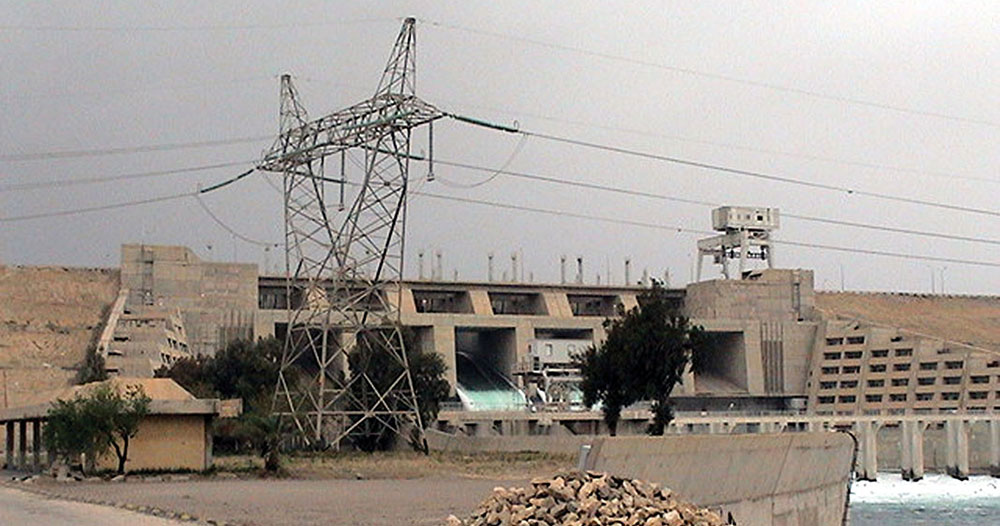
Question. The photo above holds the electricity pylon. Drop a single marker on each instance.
(344, 369)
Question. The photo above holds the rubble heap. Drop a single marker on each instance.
(579, 498)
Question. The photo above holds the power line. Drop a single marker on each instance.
(651, 195)
(742, 147)
(692, 140)
(208, 27)
(13, 187)
(227, 228)
(155, 87)
(494, 172)
(126, 204)
(726, 169)
(716, 76)
(678, 229)
(72, 154)
(62, 213)
(684, 230)
(758, 175)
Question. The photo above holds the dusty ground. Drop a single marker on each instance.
(48, 316)
(396, 489)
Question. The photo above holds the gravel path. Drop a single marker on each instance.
(424, 501)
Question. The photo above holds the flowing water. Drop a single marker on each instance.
(937, 499)
(482, 389)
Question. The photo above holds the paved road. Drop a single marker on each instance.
(20, 507)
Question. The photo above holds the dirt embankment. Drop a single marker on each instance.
(48, 317)
(973, 320)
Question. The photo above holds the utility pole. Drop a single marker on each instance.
(344, 261)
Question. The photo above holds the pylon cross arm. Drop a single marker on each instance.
(353, 127)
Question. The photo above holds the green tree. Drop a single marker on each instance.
(192, 374)
(69, 432)
(643, 357)
(103, 419)
(426, 372)
(246, 370)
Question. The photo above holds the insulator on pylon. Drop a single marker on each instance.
(430, 151)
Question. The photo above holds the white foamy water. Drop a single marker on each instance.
(890, 488)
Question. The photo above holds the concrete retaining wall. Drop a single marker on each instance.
(793, 479)
(778, 480)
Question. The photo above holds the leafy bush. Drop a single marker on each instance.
(91, 424)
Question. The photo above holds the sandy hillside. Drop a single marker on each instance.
(973, 320)
(48, 316)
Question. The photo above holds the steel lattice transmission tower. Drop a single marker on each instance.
(345, 258)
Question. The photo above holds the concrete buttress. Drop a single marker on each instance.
(957, 448)
(912, 446)
(995, 448)
(868, 431)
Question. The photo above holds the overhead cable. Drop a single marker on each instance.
(72, 154)
(208, 27)
(126, 204)
(495, 173)
(743, 147)
(75, 211)
(693, 140)
(731, 170)
(227, 228)
(685, 230)
(717, 76)
(678, 229)
(762, 175)
(108, 178)
(663, 197)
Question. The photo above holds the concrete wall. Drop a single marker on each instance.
(218, 300)
(774, 311)
(866, 369)
(780, 480)
(767, 295)
(167, 442)
(796, 479)
(935, 441)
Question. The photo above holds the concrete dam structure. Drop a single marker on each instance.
(777, 344)
(778, 347)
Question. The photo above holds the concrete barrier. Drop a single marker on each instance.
(790, 479)
(796, 479)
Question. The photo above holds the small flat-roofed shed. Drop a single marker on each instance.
(175, 435)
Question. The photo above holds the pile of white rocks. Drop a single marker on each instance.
(587, 498)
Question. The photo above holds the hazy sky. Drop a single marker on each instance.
(105, 75)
